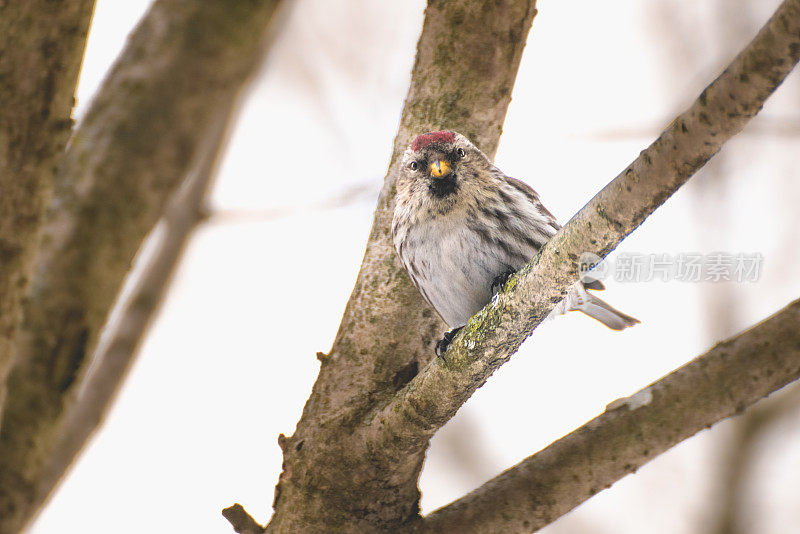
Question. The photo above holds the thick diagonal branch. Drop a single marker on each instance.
(495, 333)
(718, 384)
(186, 63)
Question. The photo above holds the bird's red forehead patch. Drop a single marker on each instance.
(443, 136)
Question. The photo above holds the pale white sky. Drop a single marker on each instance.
(230, 359)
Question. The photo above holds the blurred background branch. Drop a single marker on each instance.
(168, 98)
(41, 47)
(133, 314)
(739, 454)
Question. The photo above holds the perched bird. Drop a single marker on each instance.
(461, 227)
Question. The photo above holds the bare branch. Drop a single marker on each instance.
(718, 384)
(41, 48)
(467, 59)
(495, 333)
(241, 521)
(184, 65)
(350, 465)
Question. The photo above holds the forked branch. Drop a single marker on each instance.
(496, 332)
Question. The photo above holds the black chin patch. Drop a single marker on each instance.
(442, 187)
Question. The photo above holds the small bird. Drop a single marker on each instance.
(461, 227)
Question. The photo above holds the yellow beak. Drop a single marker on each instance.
(439, 168)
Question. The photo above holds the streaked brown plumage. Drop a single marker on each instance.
(461, 227)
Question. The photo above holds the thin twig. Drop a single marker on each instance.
(185, 63)
(242, 522)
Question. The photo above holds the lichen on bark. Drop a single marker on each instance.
(495, 333)
(467, 59)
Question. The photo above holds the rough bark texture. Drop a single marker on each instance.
(495, 333)
(185, 62)
(41, 48)
(467, 60)
(718, 384)
(353, 462)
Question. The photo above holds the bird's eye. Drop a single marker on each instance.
(413, 166)
(461, 153)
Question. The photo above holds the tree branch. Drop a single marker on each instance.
(494, 334)
(184, 65)
(718, 384)
(241, 521)
(467, 59)
(41, 48)
(354, 459)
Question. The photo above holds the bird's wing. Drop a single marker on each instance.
(533, 196)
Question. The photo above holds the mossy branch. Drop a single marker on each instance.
(354, 459)
(467, 59)
(718, 384)
(496, 332)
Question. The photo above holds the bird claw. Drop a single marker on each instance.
(500, 279)
(442, 344)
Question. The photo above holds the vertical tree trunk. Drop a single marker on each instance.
(467, 59)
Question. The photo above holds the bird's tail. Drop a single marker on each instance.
(579, 299)
(601, 310)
